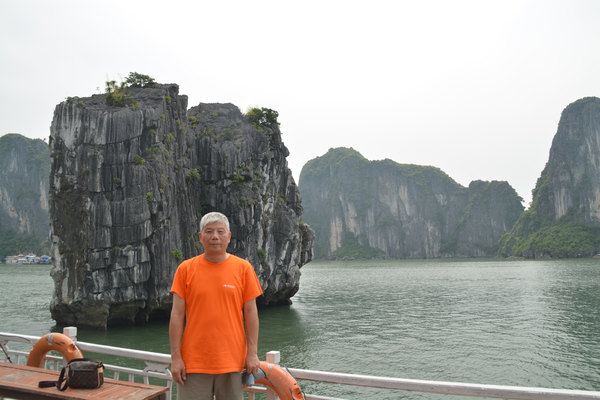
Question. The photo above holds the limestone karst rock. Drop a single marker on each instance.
(360, 208)
(564, 217)
(24, 172)
(129, 185)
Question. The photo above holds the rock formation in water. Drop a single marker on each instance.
(361, 209)
(564, 217)
(129, 184)
(24, 172)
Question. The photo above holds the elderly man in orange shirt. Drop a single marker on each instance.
(214, 320)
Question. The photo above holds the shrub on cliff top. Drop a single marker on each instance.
(262, 117)
(139, 80)
(116, 94)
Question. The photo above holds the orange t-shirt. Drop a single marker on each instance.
(214, 340)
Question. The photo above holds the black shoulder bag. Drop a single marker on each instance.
(80, 373)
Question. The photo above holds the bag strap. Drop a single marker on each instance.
(61, 379)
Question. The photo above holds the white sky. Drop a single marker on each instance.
(475, 88)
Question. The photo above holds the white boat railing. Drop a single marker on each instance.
(157, 369)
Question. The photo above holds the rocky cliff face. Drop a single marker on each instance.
(570, 182)
(564, 217)
(128, 188)
(24, 173)
(362, 208)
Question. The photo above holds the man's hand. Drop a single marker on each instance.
(252, 363)
(178, 371)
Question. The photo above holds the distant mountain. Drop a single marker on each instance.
(24, 182)
(564, 217)
(363, 209)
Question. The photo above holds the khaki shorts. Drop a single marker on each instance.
(204, 386)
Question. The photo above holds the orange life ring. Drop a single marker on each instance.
(280, 381)
(52, 341)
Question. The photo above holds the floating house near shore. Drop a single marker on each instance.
(27, 259)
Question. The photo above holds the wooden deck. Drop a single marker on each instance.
(21, 382)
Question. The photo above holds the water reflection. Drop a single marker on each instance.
(573, 321)
(25, 294)
(283, 329)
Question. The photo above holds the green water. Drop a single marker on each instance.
(525, 323)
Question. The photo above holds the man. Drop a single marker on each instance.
(214, 294)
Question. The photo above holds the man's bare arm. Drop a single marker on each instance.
(252, 323)
(176, 325)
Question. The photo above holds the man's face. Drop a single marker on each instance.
(215, 238)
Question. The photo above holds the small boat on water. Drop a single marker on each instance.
(17, 349)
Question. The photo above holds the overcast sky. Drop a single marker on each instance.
(475, 88)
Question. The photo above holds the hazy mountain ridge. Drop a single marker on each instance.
(24, 181)
(362, 208)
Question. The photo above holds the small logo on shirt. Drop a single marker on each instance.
(229, 286)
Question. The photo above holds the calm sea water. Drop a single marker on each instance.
(526, 323)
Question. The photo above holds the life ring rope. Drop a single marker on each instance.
(53, 341)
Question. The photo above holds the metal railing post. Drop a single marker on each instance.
(274, 357)
(70, 331)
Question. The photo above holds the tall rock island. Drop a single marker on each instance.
(24, 172)
(134, 170)
(564, 217)
(360, 208)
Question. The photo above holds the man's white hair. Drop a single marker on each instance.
(213, 217)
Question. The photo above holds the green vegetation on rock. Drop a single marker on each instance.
(560, 240)
(116, 93)
(262, 117)
(12, 243)
(177, 254)
(139, 80)
(351, 249)
(562, 218)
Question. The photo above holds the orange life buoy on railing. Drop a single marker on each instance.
(279, 380)
(52, 341)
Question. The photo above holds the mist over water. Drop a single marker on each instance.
(525, 323)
